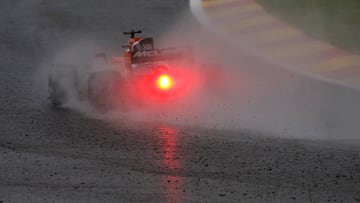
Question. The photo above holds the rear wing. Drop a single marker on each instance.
(166, 54)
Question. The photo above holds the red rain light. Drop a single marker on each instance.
(164, 82)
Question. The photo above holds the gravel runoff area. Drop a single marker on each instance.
(58, 155)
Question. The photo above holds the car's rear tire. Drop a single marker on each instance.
(104, 90)
(57, 95)
(62, 85)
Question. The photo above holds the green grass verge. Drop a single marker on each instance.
(335, 21)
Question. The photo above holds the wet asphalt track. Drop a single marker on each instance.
(49, 155)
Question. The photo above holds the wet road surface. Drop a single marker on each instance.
(59, 155)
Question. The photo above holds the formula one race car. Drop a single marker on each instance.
(143, 75)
